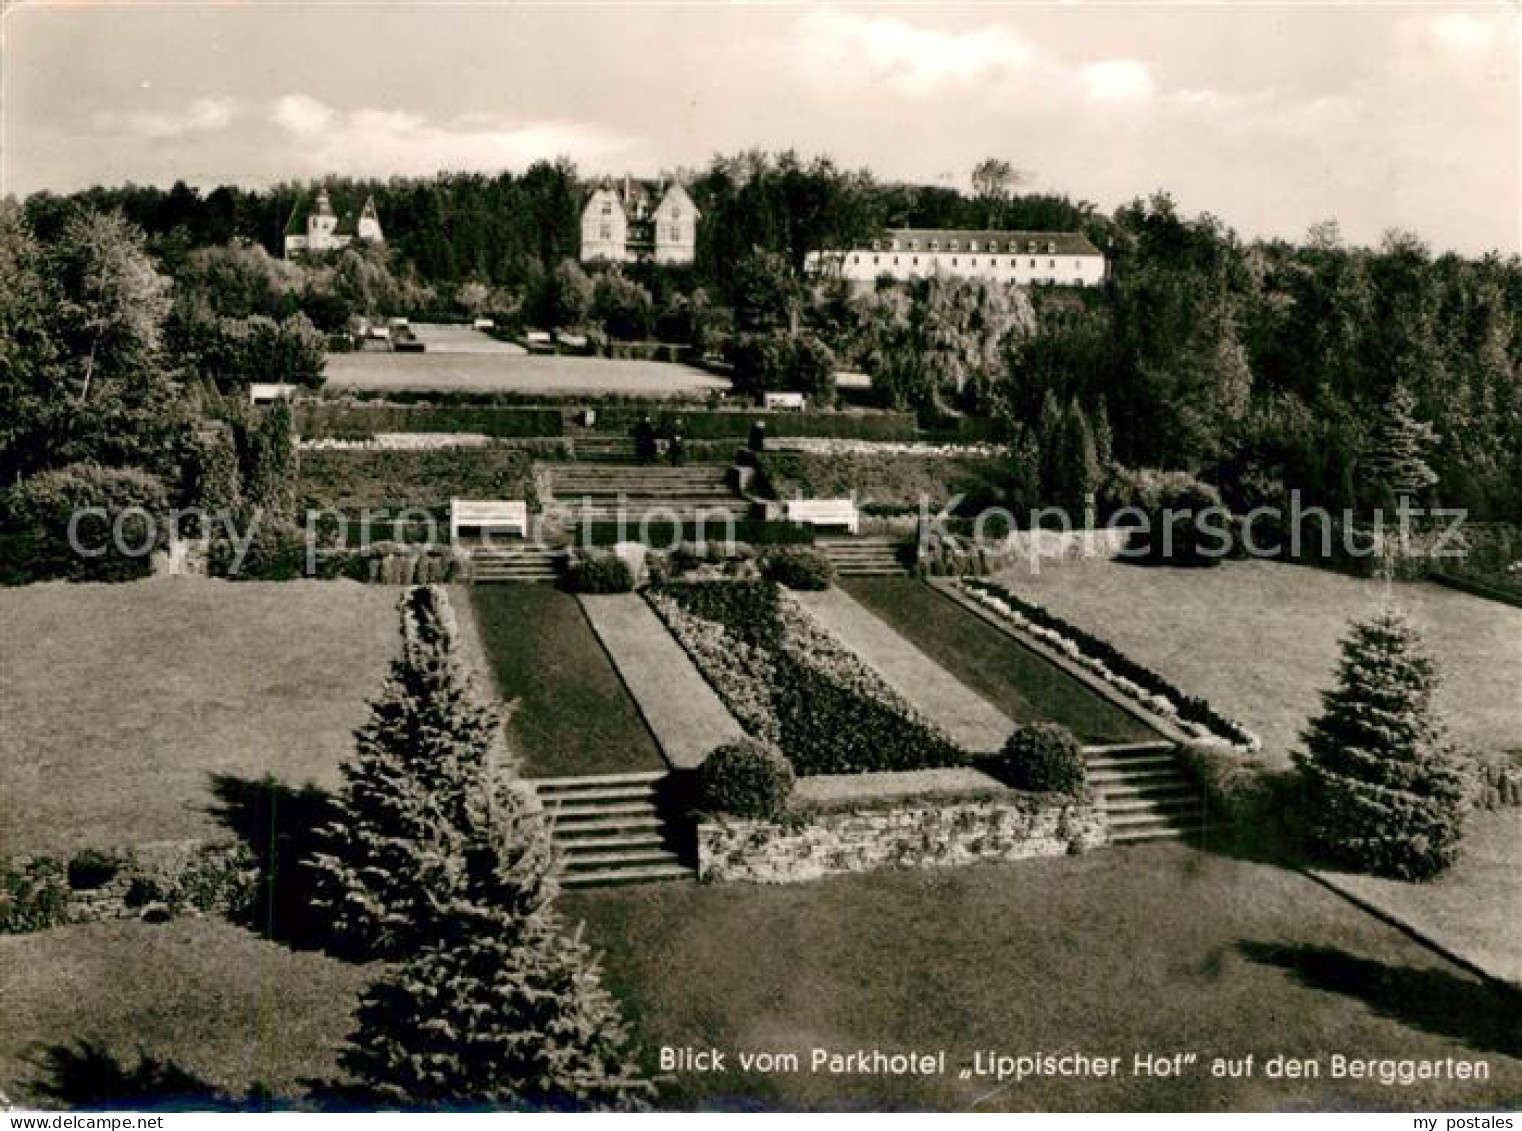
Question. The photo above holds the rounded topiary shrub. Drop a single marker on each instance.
(745, 779)
(1043, 758)
(798, 568)
(601, 573)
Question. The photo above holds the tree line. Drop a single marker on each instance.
(1261, 365)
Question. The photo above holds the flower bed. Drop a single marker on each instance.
(790, 683)
(1143, 685)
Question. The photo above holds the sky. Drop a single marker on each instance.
(1270, 116)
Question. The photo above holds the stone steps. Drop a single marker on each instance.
(528, 565)
(615, 829)
(864, 557)
(1144, 792)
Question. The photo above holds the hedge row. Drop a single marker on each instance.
(327, 420)
(318, 421)
(794, 686)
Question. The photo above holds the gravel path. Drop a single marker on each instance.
(683, 711)
(972, 721)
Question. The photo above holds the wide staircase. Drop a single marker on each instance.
(1144, 792)
(601, 492)
(865, 557)
(617, 829)
(601, 447)
(518, 563)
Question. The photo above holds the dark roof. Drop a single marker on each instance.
(348, 212)
(1061, 243)
(639, 197)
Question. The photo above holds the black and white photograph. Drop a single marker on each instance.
(760, 557)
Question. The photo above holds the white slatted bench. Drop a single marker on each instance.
(833, 513)
(481, 518)
(787, 402)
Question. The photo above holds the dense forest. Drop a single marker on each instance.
(1258, 365)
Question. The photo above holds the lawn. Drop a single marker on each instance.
(509, 372)
(1153, 950)
(1014, 679)
(212, 1002)
(1473, 908)
(121, 702)
(573, 713)
(1260, 639)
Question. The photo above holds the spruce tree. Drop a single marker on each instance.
(504, 1012)
(1396, 458)
(428, 811)
(1383, 791)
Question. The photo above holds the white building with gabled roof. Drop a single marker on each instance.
(632, 221)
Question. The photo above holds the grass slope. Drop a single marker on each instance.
(1157, 949)
(120, 702)
(1260, 639)
(896, 480)
(214, 1001)
(573, 715)
(1014, 679)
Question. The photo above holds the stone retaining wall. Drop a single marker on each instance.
(923, 832)
(153, 881)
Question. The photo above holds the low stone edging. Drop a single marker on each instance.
(994, 825)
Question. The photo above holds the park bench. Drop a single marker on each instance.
(829, 513)
(485, 518)
(267, 392)
(784, 402)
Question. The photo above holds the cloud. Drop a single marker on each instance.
(204, 115)
(302, 115)
(915, 60)
(372, 140)
(1462, 33)
(1117, 80)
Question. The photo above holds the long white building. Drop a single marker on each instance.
(1062, 258)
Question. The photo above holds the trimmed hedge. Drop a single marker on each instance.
(600, 573)
(321, 420)
(330, 420)
(745, 779)
(798, 568)
(1043, 758)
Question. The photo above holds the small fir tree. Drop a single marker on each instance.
(429, 811)
(502, 1013)
(1383, 791)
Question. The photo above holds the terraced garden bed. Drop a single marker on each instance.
(787, 681)
(573, 715)
(1013, 678)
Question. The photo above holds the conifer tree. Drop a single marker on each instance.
(504, 1012)
(1382, 789)
(1398, 446)
(429, 812)
(1069, 463)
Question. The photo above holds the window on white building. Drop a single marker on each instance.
(605, 231)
